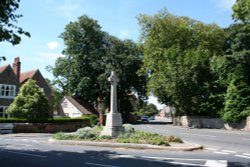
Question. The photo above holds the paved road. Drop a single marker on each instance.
(219, 142)
(34, 150)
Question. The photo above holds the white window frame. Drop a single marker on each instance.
(4, 114)
(7, 91)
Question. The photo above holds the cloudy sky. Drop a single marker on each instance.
(46, 19)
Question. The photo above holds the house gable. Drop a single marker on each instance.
(69, 109)
(73, 107)
(9, 86)
(7, 76)
(11, 79)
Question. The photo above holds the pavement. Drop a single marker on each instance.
(173, 146)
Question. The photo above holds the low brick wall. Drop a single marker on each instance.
(49, 127)
(213, 123)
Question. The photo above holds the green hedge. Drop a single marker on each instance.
(92, 118)
(51, 120)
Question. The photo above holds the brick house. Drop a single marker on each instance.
(11, 79)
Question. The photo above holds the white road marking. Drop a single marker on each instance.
(212, 149)
(34, 141)
(122, 156)
(195, 134)
(163, 158)
(219, 152)
(95, 164)
(186, 164)
(208, 162)
(245, 139)
(229, 151)
(22, 153)
(242, 156)
(217, 163)
(25, 140)
(247, 154)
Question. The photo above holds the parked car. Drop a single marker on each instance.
(152, 118)
(144, 118)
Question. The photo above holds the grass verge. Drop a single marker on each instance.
(129, 136)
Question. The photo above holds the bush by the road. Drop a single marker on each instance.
(129, 136)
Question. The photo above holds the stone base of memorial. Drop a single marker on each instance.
(113, 125)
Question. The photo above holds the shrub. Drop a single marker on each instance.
(93, 119)
(174, 139)
(85, 133)
(63, 136)
(128, 128)
(143, 138)
(30, 103)
(129, 136)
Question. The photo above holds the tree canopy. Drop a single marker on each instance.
(241, 10)
(30, 103)
(91, 55)
(8, 30)
(177, 53)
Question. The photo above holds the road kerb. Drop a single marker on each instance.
(172, 147)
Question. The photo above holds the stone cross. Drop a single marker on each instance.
(113, 98)
(113, 125)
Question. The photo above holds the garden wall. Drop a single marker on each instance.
(49, 127)
(213, 123)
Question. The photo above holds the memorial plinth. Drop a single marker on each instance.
(113, 126)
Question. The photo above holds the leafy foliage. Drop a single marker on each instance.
(242, 10)
(8, 30)
(30, 103)
(91, 54)
(237, 37)
(177, 53)
(237, 97)
(143, 138)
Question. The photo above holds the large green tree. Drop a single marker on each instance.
(234, 70)
(177, 54)
(30, 103)
(91, 54)
(237, 97)
(9, 31)
(241, 10)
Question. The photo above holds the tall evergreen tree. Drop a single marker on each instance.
(237, 98)
(30, 103)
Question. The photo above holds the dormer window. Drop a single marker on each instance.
(7, 91)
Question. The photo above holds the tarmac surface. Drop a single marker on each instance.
(173, 146)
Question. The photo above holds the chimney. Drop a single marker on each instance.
(17, 67)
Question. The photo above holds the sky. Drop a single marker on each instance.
(46, 20)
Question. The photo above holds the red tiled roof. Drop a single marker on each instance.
(27, 75)
(3, 68)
